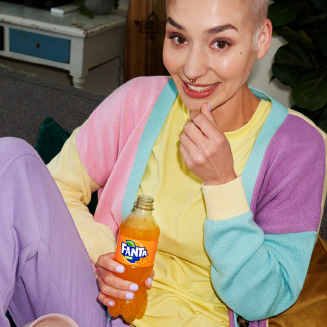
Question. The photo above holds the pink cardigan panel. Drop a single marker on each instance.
(108, 142)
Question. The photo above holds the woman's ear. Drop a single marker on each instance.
(264, 38)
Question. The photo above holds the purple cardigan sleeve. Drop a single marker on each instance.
(260, 259)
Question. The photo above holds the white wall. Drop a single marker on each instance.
(261, 75)
(123, 4)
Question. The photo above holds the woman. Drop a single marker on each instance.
(237, 178)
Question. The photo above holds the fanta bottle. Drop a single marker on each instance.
(136, 249)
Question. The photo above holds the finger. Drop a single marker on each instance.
(107, 262)
(205, 109)
(189, 159)
(194, 140)
(110, 291)
(202, 122)
(148, 282)
(205, 121)
(189, 150)
(117, 282)
(191, 137)
(192, 130)
(184, 153)
(107, 301)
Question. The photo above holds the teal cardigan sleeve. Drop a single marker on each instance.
(260, 256)
(257, 275)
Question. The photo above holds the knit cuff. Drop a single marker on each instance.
(102, 246)
(225, 201)
(97, 240)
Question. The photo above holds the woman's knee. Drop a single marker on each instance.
(12, 147)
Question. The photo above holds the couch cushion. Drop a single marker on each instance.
(50, 140)
(26, 100)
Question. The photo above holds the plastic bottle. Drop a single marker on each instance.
(136, 248)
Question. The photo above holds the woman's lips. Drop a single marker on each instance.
(199, 90)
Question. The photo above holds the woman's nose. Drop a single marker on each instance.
(195, 64)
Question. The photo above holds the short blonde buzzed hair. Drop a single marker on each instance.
(257, 11)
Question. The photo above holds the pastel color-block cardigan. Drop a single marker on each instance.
(260, 258)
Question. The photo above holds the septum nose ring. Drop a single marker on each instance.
(192, 80)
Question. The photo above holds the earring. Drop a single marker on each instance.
(192, 80)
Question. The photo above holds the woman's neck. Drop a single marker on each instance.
(237, 111)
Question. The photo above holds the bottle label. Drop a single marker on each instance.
(135, 252)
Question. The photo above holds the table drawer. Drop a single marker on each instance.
(38, 45)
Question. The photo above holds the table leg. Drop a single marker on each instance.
(79, 82)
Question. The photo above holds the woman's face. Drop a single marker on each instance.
(210, 41)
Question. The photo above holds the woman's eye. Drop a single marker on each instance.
(221, 44)
(179, 40)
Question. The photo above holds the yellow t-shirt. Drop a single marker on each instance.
(182, 293)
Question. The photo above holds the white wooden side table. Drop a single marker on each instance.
(72, 41)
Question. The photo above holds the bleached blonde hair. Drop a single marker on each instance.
(257, 11)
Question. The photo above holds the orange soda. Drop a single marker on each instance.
(136, 249)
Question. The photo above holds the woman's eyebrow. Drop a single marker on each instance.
(221, 28)
(173, 23)
(214, 30)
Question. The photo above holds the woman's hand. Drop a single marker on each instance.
(112, 286)
(206, 150)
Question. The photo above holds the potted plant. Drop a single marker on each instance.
(99, 7)
(302, 62)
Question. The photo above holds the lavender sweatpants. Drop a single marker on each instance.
(44, 267)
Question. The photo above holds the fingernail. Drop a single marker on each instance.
(209, 107)
(150, 281)
(134, 287)
(129, 296)
(120, 269)
(110, 304)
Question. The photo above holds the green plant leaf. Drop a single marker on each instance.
(130, 243)
(310, 19)
(323, 120)
(86, 12)
(322, 38)
(320, 4)
(310, 90)
(313, 115)
(292, 60)
(83, 10)
(281, 13)
(291, 36)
